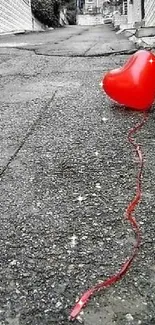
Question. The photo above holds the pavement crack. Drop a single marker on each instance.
(77, 55)
(84, 55)
(89, 48)
(73, 35)
(27, 135)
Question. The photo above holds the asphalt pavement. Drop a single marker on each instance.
(67, 176)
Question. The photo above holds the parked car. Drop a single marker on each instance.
(108, 19)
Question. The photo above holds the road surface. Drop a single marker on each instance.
(67, 175)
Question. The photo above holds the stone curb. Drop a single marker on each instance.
(13, 33)
(24, 32)
(143, 42)
(140, 42)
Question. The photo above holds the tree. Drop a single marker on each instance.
(46, 11)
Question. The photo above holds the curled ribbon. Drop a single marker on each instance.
(134, 224)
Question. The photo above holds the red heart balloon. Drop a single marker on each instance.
(133, 85)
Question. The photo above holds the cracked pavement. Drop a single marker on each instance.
(67, 175)
(73, 41)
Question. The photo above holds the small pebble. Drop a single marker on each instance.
(98, 186)
(58, 304)
(129, 317)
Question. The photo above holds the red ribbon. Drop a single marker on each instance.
(135, 226)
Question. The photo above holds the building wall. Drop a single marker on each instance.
(87, 20)
(93, 3)
(15, 15)
(134, 12)
(149, 12)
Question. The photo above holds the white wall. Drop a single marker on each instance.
(63, 20)
(15, 15)
(89, 20)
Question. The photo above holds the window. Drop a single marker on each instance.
(125, 7)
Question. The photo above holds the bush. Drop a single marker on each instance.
(46, 11)
(70, 5)
(71, 17)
